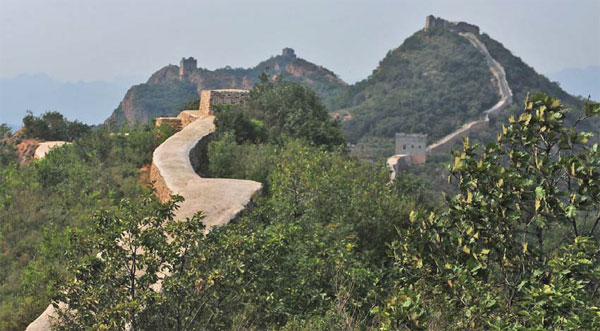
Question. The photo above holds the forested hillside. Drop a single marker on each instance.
(509, 241)
(435, 82)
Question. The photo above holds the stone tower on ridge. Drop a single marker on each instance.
(187, 66)
(288, 52)
(433, 22)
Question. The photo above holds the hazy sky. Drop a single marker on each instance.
(100, 40)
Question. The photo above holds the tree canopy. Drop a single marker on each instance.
(333, 245)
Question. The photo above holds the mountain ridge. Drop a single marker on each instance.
(433, 83)
(166, 91)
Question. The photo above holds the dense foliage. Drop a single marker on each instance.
(517, 248)
(53, 126)
(43, 202)
(333, 245)
(7, 150)
(279, 110)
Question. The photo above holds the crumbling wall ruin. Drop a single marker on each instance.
(433, 22)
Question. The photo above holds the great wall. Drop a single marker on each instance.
(445, 144)
(173, 171)
(174, 162)
(45, 147)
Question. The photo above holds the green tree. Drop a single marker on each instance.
(279, 109)
(53, 126)
(518, 246)
(5, 131)
(41, 203)
(128, 251)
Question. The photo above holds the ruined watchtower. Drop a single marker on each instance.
(288, 52)
(412, 145)
(187, 66)
(433, 22)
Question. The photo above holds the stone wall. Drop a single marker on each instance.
(210, 98)
(188, 116)
(173, 172)
(448, 142)
(411, 144)
(433, 22)
(45, 147)
(174, 165)
(399, 162)
(173, 122)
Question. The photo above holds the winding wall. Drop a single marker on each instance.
(446, 143)
(172, 171)
(221, 199)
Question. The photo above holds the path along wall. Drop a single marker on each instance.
(506, 97)
(220, 199)
(447, 143)
(45, 147)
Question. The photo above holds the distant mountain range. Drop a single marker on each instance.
(89, 102)
(579, 81)
(433, 83)
(165, 92)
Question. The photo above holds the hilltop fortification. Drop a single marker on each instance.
(186, 67)
(433, 22)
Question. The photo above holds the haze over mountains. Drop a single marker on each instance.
(88, 102)
(579, 81)
(92, 102)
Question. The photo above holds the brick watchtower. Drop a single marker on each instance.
(187, 66)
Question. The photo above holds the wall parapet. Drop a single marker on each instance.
(211, 98)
